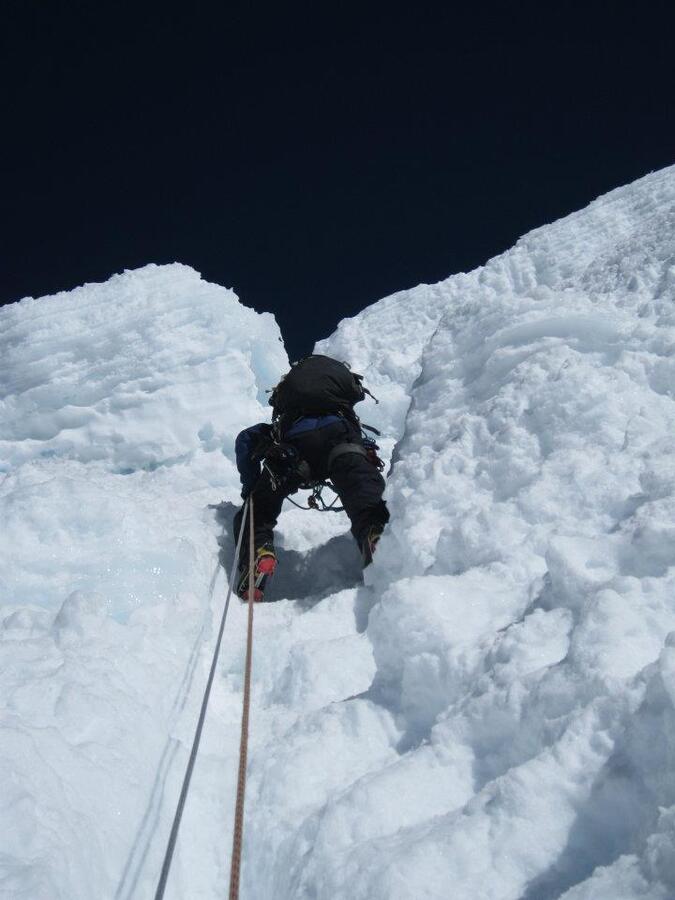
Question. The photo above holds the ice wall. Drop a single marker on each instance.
(522, 632)
(154, 371)
(151, 368)
(119, 404)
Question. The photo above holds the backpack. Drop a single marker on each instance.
(314, 386)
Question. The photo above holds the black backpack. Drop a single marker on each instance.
(315, 386)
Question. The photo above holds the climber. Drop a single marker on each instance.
(315, 435)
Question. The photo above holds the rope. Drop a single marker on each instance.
(168, 856)
(238, 836)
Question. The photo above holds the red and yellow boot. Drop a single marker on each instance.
(263, 569)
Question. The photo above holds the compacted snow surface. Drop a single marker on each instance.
(491, 715)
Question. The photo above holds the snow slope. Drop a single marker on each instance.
(490, 716)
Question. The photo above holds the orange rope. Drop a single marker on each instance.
(237, 839)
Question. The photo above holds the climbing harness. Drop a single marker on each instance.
(285, 468)
(283, 465)
(315, 499)
(171, 844)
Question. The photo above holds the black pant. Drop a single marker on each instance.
(356, 480)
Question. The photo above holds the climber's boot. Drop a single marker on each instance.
(369, 543)
(263, 569)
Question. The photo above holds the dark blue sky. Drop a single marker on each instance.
(314, 158)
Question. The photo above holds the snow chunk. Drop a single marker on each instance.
(148, 369)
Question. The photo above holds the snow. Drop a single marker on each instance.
(491, 715)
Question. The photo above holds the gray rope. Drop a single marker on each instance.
(168, 856)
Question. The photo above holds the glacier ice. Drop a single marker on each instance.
(492, 714)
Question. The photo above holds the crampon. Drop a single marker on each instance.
(263, 569)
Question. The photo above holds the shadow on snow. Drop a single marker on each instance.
(306, 577)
